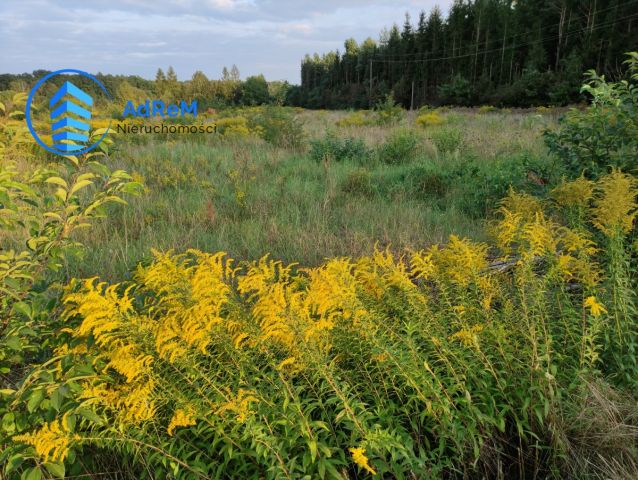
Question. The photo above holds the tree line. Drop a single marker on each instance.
(228, 90)
(500, 52)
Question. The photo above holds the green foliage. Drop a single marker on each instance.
(480, 185)
(358, 182)
(605, 134)
(447, 140)
(458, 91)
(387, 111)
(278, 126)
(481, 52)
(334, 148)
(254, 91)
(41, 213)
(400, 147)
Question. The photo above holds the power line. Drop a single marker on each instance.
(481, 52)
(547, 27)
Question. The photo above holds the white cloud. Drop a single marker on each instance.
(138, 36)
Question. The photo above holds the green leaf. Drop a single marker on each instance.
(90, 415)
(33, 473)
(61, 194)
(99, 132)
(80, 185)
(73, 159)
(312, 444)
(35, 399)
(56, 469)
(57, 181)
(8, 423)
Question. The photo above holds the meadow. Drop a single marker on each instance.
(242, 194)
(443, 293)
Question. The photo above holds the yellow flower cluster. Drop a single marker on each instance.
(108, 316)
(237, 127)
(576, 193)
(595, 308)
(430, 119)
(51, 442)
(240, 405)
(191, 299)
(359, 457)
(615, 206)
(355, 119)
(181, 418)
(468, 336)
(461, 261)
(525, 232)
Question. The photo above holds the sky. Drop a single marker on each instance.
(135, 37)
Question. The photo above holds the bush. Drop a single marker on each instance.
(606, 133)
(278, 127)
(399, 148)
(481, 184)
(447, 140)
(338, 149)
(388, 112)
(355, 119)
(429, 119)
(233, 127)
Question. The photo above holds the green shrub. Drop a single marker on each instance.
(447, 140)
(338, 149)
(606, 133)
(429, 180)
(388, 112)
(487, 109)
(278, 127)
(480, 185)
(399, 148)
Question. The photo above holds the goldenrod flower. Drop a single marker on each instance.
(595, 308)
(468, 336)
(576, 193)
(287, 362)
(461, 261)
(359, 457)
(51, 442)
(181, 418)
(240, 405)
(615, 204)
(521, 204)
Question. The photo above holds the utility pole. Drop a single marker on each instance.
(412, 97)
(370, 82)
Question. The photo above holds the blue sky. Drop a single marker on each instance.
(138, 36)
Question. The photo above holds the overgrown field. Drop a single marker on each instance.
(313, 294)
(342, 188)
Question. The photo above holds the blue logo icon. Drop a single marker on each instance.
(70, 116)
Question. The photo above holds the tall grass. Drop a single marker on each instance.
(245, 196)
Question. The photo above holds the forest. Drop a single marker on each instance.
(498, 52)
